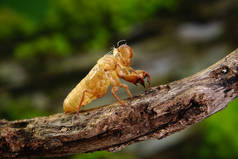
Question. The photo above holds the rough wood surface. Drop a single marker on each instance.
(157, 113)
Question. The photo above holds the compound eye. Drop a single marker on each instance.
(126, 51)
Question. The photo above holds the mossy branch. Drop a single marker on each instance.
(157, 113)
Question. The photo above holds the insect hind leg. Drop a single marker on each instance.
(83, 97)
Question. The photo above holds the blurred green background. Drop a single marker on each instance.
(48, 46)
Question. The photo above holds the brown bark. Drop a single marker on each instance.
(157, 113)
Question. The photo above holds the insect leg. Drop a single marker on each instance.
(82, 98)
(127, 90)
(143, 75)
(114, 90)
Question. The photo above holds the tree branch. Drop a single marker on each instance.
(157, 113)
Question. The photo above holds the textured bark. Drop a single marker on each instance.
(157, 113)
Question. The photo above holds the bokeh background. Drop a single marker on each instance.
(48, 46)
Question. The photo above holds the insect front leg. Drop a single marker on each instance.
(141, 76)
(133, 76)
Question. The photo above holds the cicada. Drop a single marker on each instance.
(108, 71)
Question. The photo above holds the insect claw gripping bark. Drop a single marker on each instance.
(108, 71)
(148, 78)
(141, 78)
(141, 81)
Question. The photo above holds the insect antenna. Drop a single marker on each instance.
(121, 41)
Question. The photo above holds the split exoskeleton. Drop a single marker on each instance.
(108, 71)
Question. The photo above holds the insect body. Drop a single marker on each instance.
(108, 71)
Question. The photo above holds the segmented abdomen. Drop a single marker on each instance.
(72, 101)
(95, 82)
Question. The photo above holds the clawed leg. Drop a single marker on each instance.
(115, 82)
(135, 76)
(141, 76)
(114, 90)
(82, 98)
(127, 90)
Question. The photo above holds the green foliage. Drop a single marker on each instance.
(116, 16)
(12, 24)
(104, 155)
(220, 139)
(61, 27)
(18, 108)
(55, 45)
(34, 10)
